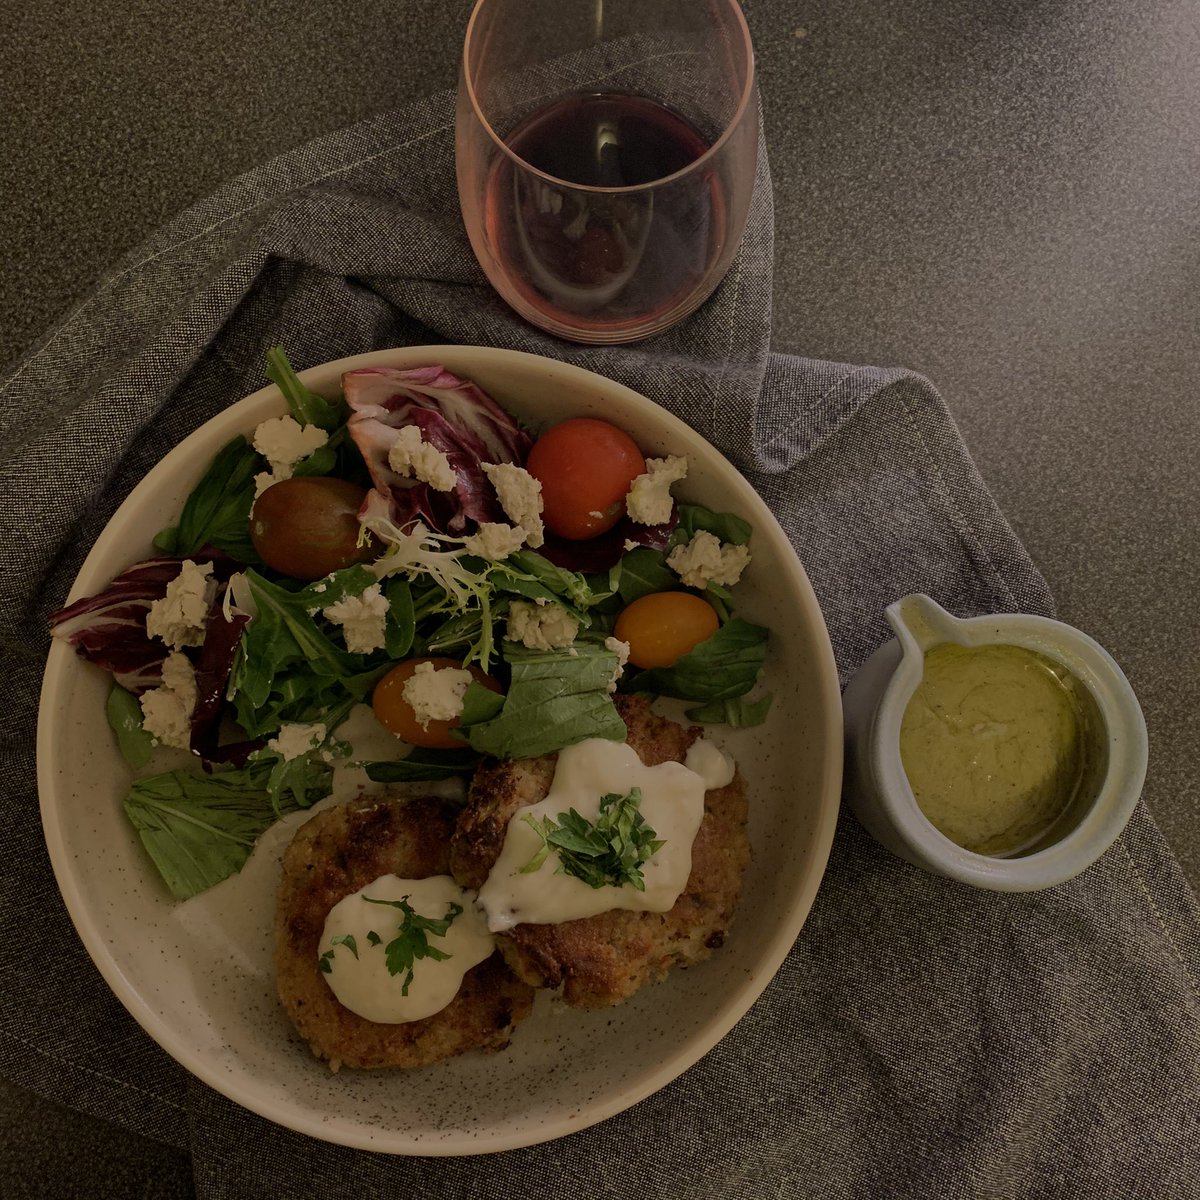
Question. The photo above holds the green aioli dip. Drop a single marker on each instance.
(997, 741)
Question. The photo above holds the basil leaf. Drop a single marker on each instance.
(556, 698)
(722, 667)
(200, 829)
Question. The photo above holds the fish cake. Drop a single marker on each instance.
(335, 853)
(604, 959)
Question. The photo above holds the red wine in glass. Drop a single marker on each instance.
(609, 257)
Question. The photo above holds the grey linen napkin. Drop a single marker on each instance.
(921, 1039)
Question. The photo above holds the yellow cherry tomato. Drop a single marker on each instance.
(663, 626)
(393, 712)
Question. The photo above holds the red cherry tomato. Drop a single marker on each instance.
(307, 526)
(664, 626)
(585, 467)
(393, 712)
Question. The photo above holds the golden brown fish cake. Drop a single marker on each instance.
(335, 853)
(603, 960)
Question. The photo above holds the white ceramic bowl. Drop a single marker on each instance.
(878, 790)
(197, 976)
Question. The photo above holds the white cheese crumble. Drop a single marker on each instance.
(436, 693)
(167, 710)
(495, 540)
(411, 455)
(541, 626)
(649, 499)
(179, 617)
(363, 619)
(296, 739)
(705, 559)
(520, 496)
(621, 650)
(283, 442)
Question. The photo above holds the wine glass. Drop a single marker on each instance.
(606, 156)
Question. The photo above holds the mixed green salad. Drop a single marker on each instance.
(407, 545)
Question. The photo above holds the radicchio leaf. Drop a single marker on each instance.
(455, 416)
(109, 628)
(601, 553)
(213, 666)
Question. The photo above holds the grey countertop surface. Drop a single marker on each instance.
(1005, 197)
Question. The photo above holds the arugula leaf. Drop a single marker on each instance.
(533, 576)
(287, 669)
(293, 775)
(739, 713)
(424, 764)
(556, 698)
(218, 510)
(411, 941)
(609, 851)
(200, 829)
(306, 407)
(722, 667)
(125, 717)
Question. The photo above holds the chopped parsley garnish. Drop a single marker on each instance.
(608, 851)
(411, 941)
(341, 939)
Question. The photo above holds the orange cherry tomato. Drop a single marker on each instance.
(393, 712)
(585, 467)
(663, 626)
(307, 526)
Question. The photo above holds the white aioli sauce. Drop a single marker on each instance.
(672, 804)
(363, 984)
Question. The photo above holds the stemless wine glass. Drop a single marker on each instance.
(606, 156)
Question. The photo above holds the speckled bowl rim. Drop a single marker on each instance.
(62, 664)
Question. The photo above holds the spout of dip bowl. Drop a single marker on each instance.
(878, 787)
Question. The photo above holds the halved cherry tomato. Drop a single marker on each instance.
(663, 626)
(393, 712)
(585, 467)
(307, 526)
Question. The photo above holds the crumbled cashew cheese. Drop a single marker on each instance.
(179, 617)
(283, 442)
(411, 455)
(649, 499)
(363, 619)
(296, 739)
(495, 540)
(621, 650)
(167, 710)
(541, 626)
(436, 693)
(705, 559)
(520, 496)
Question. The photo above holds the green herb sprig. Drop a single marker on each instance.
(608, 851)
(412, 938)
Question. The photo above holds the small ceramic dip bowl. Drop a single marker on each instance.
(1014, 735)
